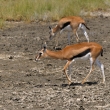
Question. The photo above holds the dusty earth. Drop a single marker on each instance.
(29, 85)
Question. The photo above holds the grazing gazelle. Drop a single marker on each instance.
(70, 23)
(73, 52)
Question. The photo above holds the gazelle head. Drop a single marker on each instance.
(53, 31)
(52, 34)
(41, 53)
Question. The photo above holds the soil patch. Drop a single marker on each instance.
(29, 85)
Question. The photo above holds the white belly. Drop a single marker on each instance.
(67, 28)
(86, 57)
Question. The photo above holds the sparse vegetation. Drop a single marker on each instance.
(30, 10)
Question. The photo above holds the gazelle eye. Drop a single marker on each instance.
(40, 53)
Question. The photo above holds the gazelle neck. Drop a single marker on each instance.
(56, 29)
(54, 54)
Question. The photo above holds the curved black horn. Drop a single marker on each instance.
(50, 27)
(45, 45)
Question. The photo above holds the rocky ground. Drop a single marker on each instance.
(29, 85)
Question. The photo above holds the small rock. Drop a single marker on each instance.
(11, 57)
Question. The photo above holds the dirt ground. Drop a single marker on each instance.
(29, 85)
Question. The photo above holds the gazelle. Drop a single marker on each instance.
(70, 23)
(74, 52)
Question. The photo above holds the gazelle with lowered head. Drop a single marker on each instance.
(70, 23)
(73, 52)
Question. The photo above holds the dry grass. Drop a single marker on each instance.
(30, 10)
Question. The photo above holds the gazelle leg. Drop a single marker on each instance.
(87, 37)
(91, 69)
(101, 66)
(56, 40)
(68, 38)
(87, 75)
(57, 43)
(64, 70)
(84, 31)
(69, 71)
(76, 34)
(77, 37)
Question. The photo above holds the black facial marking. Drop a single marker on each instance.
(81, 54)
(40, 54)
(65, 24)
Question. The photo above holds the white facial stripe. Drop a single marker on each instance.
(52, 33)
(56, 26)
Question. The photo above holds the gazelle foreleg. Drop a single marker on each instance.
(68, 38)
(64, 70)
(91, 69)
(76, 35)
(56, 41)
(69, 71)
(101, 66)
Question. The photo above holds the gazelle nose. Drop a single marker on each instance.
(35, 59)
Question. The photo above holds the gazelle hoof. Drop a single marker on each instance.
(69, 82)
(103, 83)
(83, 82)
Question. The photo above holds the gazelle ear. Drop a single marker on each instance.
(50, 28)
(45, 46)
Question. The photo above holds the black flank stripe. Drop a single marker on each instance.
(65, 24)
(102, 52)
(81, 54)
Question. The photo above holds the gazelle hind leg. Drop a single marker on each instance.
(91, 69)
(101, 66)
(87, 75)
(84, 31)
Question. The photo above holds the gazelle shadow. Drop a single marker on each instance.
(90, 83)
(79, 84)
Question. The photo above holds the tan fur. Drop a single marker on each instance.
(72, 50)
(75, 21)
